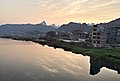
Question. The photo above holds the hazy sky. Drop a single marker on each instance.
(58, 11)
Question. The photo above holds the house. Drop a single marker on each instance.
(99, 36)
(79, 35)
(64, 35)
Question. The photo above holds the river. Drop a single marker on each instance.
(28, 61)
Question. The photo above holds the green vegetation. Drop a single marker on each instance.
(105, 52)
(51, 34)
(79, 49)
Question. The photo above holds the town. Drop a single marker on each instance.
(95, 35)
(95, 40)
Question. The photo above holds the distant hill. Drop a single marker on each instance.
(112, 23)
(13, 29)
(74, 26)
(85, 27)
(34, 30)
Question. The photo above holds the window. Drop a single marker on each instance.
(95, 26)
(98, 37)
(94, 41)
(98, 42)
(94, 29)
(98, 33)
(94, 34)
(108, 33)
(94, 37)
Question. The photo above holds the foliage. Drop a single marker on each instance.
(51, 34)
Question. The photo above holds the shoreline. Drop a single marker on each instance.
(106, 53)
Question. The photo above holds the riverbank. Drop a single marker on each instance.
(111, 53)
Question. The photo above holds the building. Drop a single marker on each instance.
(64, 35)
(99, 36)
(79, 35)
(113, 35)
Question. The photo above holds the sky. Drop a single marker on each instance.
(58, 11)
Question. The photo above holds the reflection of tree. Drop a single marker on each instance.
(98, 63)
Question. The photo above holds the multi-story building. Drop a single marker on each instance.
(99, 36)
(79, 35)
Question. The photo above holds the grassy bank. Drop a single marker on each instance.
(77, 48)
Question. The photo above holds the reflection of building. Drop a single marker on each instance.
(99, 36)
(113, 35)
(79, 35)
(96, 63)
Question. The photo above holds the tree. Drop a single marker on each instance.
(51, 34)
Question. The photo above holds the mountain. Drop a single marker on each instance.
(53, 25)
(44, 23)
(112, 23)
(86, 27)
(24, 29)
(74, 26)
(34, 30)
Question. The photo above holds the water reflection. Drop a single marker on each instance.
(19, 62)
(97, 63)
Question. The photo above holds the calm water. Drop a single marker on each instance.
(27, 61)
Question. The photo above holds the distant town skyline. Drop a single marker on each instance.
(58, 11)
